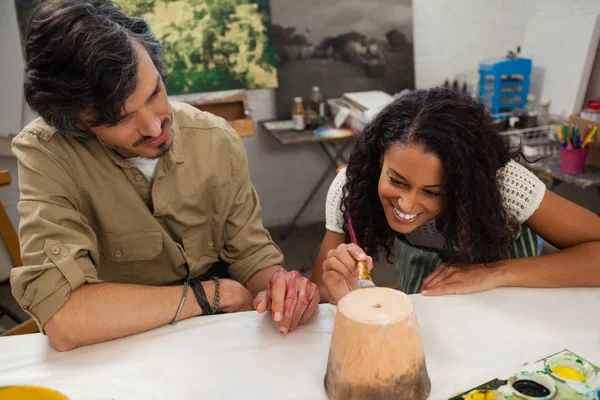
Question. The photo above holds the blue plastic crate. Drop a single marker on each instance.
(504, 83)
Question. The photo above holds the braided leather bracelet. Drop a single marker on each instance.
(198, 289)
(215, 306)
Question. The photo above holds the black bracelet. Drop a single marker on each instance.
(215, 306)
(198, 289)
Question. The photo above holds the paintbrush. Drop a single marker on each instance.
(364, 279)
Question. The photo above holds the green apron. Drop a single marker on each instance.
(414, 264)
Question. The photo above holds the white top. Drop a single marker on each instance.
(522, 193)
(467, 339)
(146, 165)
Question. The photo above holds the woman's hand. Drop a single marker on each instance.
(340, 275)
(463, 279)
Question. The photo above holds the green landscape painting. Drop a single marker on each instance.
(211, 45)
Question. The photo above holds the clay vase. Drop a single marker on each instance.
(376, 350)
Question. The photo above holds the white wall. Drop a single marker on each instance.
(452, 37)
(11, 67)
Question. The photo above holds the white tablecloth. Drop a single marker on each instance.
(468, 340)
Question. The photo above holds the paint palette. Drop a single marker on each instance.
(334, 133)
(563, 375)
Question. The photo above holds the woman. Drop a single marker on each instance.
(432, 177)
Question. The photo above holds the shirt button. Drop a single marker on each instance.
(139, 177)
(55, 250)
(118, 253)
(210, 243)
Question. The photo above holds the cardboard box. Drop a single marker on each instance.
(594, 147)
(232, 107)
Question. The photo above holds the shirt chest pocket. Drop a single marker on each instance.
(131, 246)
(201, 246)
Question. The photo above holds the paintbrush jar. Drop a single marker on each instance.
(376, 350)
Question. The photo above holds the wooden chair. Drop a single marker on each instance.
(11, 242)
(23, 328)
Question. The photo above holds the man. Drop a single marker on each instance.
(128, 200)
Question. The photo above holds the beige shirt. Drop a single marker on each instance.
(89, 215)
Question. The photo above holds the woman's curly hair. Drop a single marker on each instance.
(459, 131)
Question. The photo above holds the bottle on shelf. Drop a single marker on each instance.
(314, 108)
(316, 102)
(298, 114)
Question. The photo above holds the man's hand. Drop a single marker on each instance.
(234, 297)
(291, 298)
(340, 275)
(455, 279)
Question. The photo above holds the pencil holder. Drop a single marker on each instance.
(573, 161)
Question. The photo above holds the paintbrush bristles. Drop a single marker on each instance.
(365, 284)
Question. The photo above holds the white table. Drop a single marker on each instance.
(468, 340)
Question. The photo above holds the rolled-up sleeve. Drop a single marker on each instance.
(58, 247)
(248, 246)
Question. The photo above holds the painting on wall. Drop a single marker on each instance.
(341, 46)
(211, 45)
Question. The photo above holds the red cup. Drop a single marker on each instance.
(573, 161)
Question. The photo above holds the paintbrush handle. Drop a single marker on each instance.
(353, 237)
(363, 271)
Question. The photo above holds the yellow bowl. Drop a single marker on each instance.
(29, 393)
